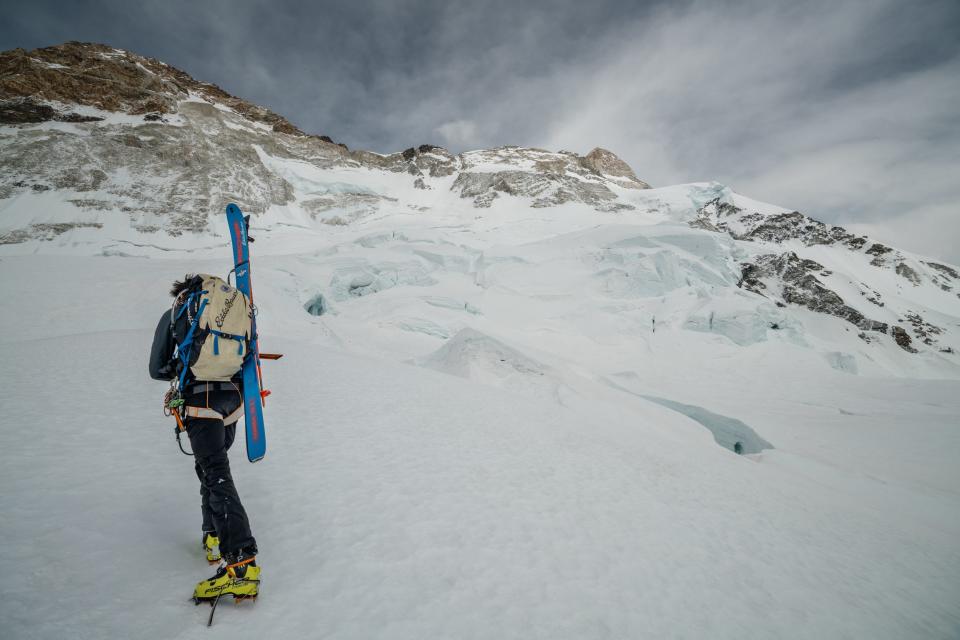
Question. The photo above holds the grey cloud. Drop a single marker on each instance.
(758, 104)
(845, 110)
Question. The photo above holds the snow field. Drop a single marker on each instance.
(400, 502)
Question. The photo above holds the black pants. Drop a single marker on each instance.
(220, 503)
(229, 432)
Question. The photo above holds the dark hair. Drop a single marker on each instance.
(181, 286)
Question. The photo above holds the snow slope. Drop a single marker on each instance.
(398, 501)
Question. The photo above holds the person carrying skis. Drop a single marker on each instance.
(199, 344)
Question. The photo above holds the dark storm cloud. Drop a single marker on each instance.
(372, 74)
(846, 110)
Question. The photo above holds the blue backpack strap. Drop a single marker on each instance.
(183, 349)
(186, 304)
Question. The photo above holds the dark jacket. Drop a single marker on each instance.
(163, 365)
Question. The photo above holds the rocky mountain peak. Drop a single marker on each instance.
(135, 122)
(106, 79)
(608, 163)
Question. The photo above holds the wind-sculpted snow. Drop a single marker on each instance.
(475, 356)
(367, 279)
(842, 361)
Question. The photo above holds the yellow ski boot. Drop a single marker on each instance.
(211, 546)
(241, 579)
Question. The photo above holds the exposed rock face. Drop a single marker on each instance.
(923, 329)
(793, 281)
(43, 231)
(140, 123)
(550, 178)
(109, 79)
(790, 279)
(906, 272)
(903, 339)
(28, 111)
(944, 277)
(742, 225)
(724, 217)
(606, 163)
(435, 162)
(548, 189)
(947, 271)
(140, 127)
(209, 168)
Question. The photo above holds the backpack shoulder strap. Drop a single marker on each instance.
(183, 349)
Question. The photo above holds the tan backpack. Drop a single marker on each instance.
(219, 330)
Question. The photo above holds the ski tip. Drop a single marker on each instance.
(232, 208)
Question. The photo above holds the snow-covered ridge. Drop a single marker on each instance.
(147, 167)
(786, 278)
(124, 126)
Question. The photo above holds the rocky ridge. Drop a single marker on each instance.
(795, 282)
(136, 121)
(108, 79)
(789, 279)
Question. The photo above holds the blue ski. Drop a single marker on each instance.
(252, 394)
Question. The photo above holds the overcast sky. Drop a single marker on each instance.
(846, 110)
